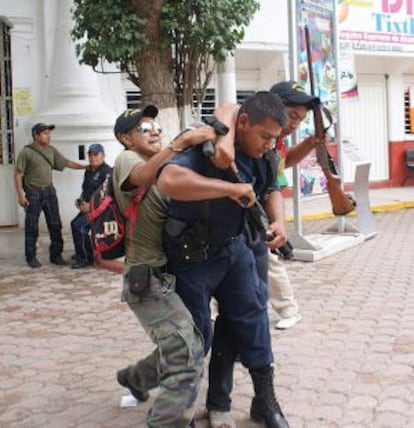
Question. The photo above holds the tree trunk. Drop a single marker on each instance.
(154, 67)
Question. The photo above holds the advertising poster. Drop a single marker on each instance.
(377, 25)
(318, 15)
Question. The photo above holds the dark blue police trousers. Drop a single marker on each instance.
(224, 348)
(229, 273)
(42, 199)
(81, 240)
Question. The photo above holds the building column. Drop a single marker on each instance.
(75, 105)
(226, 81)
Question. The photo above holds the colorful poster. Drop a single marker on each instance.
(377, 25)
(318, 16)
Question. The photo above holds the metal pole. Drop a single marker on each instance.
(341, 220)
(293, 70)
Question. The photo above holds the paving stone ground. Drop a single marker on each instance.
(348, 363)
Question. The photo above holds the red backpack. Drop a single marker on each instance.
(108, 223)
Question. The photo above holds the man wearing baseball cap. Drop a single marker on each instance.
(35, 192)
(176, 365)
(95, 174)
(298, 103)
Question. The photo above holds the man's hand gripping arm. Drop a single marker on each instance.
(183, 184)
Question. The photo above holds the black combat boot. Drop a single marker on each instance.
(265, 407)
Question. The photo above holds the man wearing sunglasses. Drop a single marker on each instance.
(176, 365)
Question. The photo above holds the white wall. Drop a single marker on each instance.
(269, 27)
(38, 26)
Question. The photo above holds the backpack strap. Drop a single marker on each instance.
(131, 213)
(41, 154)
(97, 211)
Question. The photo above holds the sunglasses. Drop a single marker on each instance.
(148, 127)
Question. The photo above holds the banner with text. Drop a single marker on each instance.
(377, 25)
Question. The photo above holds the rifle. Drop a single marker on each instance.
(342, 203)
(256, 212)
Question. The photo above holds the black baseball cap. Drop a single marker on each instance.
(293, 93)
(130, 118)
(40, 127)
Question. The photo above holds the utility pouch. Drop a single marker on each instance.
(139, 280)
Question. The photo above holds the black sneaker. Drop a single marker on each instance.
(80, 265)
(58, 260)
(122, 379)
(34, 263)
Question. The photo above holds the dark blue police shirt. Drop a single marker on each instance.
(93, 179)
(224, 217)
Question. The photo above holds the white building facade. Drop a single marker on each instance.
(41, 77)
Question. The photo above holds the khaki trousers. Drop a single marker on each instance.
(281, 297)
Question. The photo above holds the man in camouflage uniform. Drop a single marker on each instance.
(176, 365)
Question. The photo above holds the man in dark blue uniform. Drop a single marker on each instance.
(95, 175)
(206, 248)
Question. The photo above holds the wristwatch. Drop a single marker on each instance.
(219, 127)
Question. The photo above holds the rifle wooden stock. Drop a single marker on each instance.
(342, 204)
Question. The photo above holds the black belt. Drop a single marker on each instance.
(49, 186)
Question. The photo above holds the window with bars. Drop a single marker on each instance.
(133, 100)
(6, 97)
(242, 95)
(408, 116)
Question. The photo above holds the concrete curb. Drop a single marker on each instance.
(381, 208)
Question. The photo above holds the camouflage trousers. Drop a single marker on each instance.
(176, 365)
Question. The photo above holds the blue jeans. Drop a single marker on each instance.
(45, 200)
(80, 232)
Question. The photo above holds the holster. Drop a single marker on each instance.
(190, 239)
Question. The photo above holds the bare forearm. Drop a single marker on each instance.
(18, 182)
(75, 165)
(274, 207)
(145, 173)
(299, 151)
(225, 153)
(183, 184)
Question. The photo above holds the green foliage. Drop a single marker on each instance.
(107, 30)
(214, 26)
(194, 32)
(111, 30)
